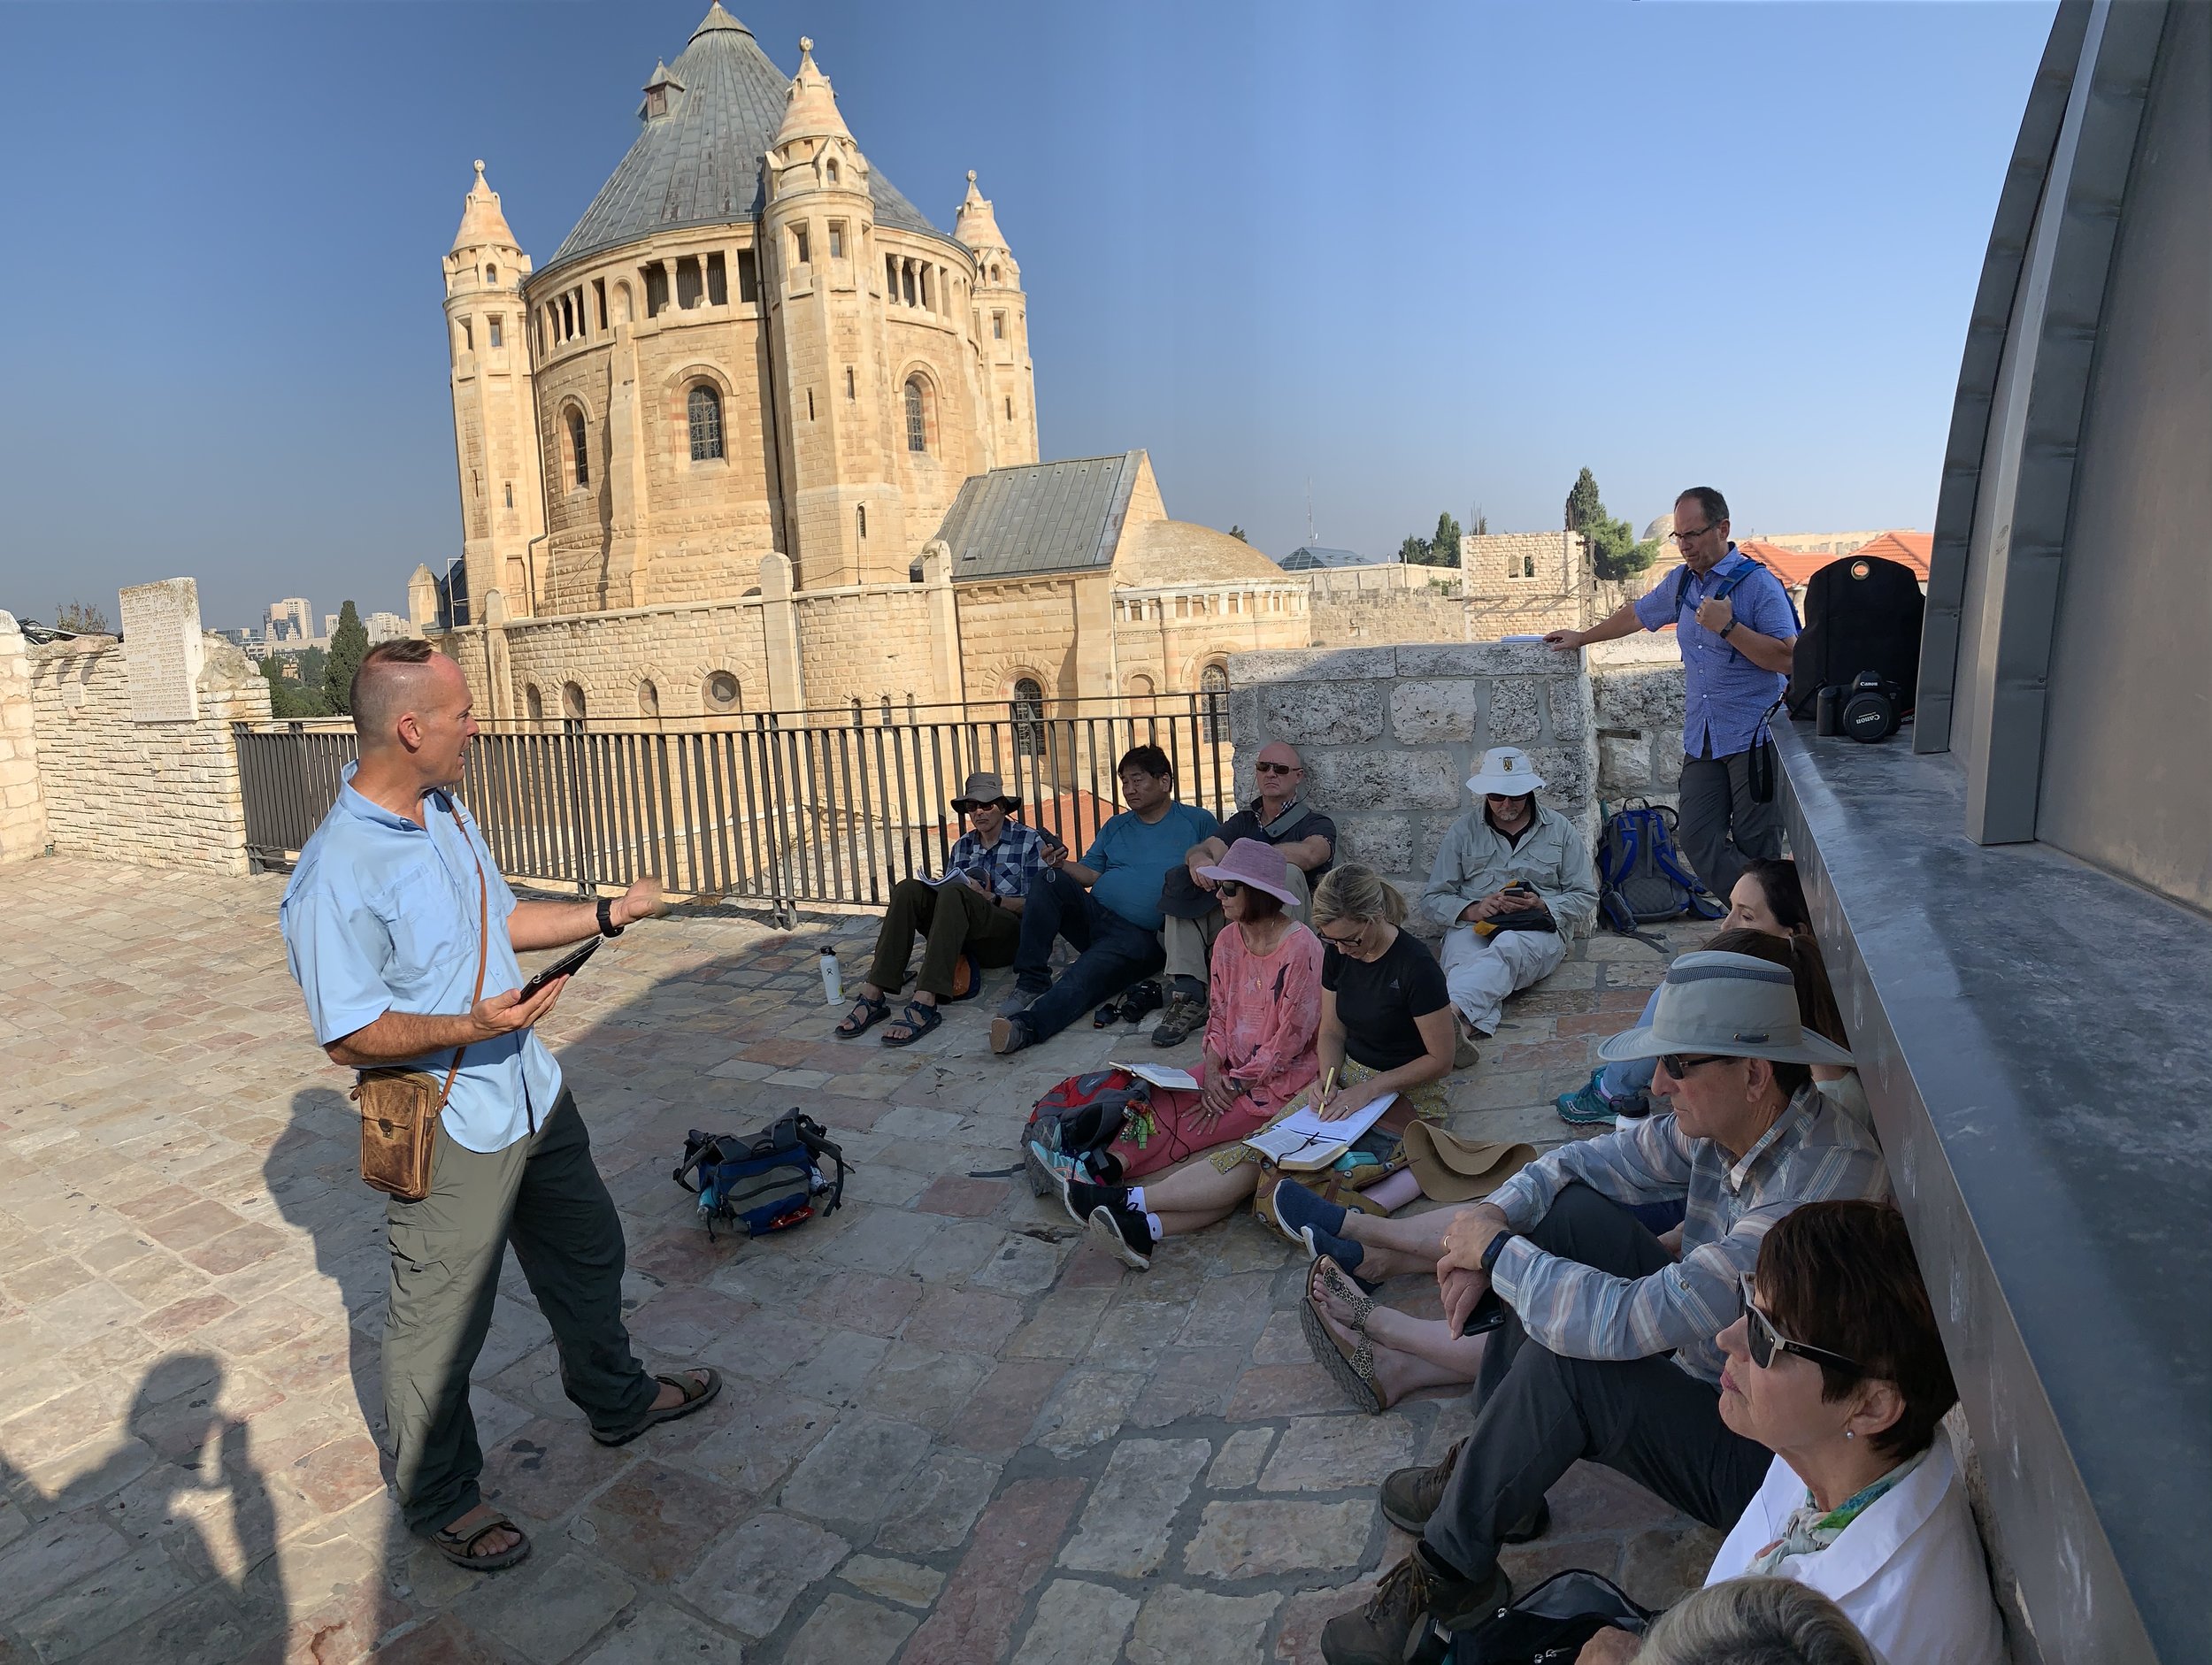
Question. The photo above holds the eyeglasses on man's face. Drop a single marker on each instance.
(1763, 1340)
(1276, 768)
(1679, 1064)
(1690, 535)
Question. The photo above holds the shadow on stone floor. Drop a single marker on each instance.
(182, 1501)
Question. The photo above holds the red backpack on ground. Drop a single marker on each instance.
(1083, 1114)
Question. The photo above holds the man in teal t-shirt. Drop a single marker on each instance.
(1107, 905)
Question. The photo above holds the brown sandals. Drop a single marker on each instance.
(696, 1392)
(454, 1547)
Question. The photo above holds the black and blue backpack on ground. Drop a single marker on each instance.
(766, 1181)
(1642, 877)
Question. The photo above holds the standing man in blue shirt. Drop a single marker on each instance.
(387, 917)
(1108, 905)
(1737, 630)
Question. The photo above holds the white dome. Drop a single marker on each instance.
(1660, 527)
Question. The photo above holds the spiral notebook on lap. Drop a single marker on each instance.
(1304, 1142)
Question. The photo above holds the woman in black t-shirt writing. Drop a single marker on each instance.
(1385, 1028)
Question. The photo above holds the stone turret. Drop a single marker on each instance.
(494, 422)
(1002, 331)
(817, 241)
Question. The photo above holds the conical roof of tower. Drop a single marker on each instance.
(977, 226)
(812, 110)
(699, 164)
(481, 222)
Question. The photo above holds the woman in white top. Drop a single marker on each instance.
(1836, 1367)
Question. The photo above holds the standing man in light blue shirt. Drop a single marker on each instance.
(381, 924)
(1738, 632)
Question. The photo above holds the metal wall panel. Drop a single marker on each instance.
(2127, 756)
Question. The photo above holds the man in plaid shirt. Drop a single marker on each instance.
(974, 912)
(1606, 1349)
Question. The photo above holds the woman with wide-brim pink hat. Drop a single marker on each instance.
(1265, 1013)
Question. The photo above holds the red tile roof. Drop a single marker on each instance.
(1906, 549)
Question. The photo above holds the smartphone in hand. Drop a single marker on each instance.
(567, 965)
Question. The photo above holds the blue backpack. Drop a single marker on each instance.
(766, 1182)
(1641, 875)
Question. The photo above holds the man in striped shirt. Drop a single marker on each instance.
(1607, 1350)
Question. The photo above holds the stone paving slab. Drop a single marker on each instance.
(952, 1430)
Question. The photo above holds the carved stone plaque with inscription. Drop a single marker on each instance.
(163, 647)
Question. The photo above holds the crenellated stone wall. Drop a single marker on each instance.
(157, 793)
(1389, 736)
(22, 804)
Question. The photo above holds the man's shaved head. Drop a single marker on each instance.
(395, 678)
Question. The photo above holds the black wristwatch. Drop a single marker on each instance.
(1724, 629)
(607, 926)
(1497, 1247)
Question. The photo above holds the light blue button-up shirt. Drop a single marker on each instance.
(1725, 695)
(381, 917)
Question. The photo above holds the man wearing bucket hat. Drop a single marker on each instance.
(1607, 1350)
(974, 910)
(1511, 880)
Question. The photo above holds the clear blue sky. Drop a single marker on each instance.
(1427, 255)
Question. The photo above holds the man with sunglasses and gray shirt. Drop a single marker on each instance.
(1604, 1345)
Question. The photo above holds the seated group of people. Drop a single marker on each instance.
(1716, 1298)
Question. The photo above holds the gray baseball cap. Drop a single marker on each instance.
(1734, 1005)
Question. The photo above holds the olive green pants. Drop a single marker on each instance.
(544, 1195)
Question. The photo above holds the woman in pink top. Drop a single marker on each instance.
(1265, 996)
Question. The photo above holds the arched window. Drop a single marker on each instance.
(994, 274)
(721, 692)
(1028, 712)
(491, 275)
(916, 415)
(533, 702)
(833, 171)
(648, 698)
(861, 513)
(1213, 700)
(580, 455)
(703, 407)
(572, 701)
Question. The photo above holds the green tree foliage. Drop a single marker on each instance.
(1238, 533)
(1441, 551)
(347, 643)
(1614, 549)
(86, 618)
(287, 696)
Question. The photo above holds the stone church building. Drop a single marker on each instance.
(759, 436)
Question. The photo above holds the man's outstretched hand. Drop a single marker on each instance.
(642, 901)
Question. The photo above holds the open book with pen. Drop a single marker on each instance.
(1303, 1142)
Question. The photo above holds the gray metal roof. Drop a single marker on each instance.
(699, 164)
(1042, 518)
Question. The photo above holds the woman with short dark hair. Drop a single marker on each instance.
(1837, 1367)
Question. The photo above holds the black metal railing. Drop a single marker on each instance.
(780, 809)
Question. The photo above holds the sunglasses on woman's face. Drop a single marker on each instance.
(1763, 1340)
(1229, 888)
(1346, 943)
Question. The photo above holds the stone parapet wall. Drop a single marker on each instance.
(1636, 685)
(1390, 735)
(155, 794)
(1348, 617)
(22, 804)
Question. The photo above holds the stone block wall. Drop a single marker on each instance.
(22, 805)
(1636, 685)
(1344, 617)
(157, 794)
(1389, 736)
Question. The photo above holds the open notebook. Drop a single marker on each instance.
(1303, 1142)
